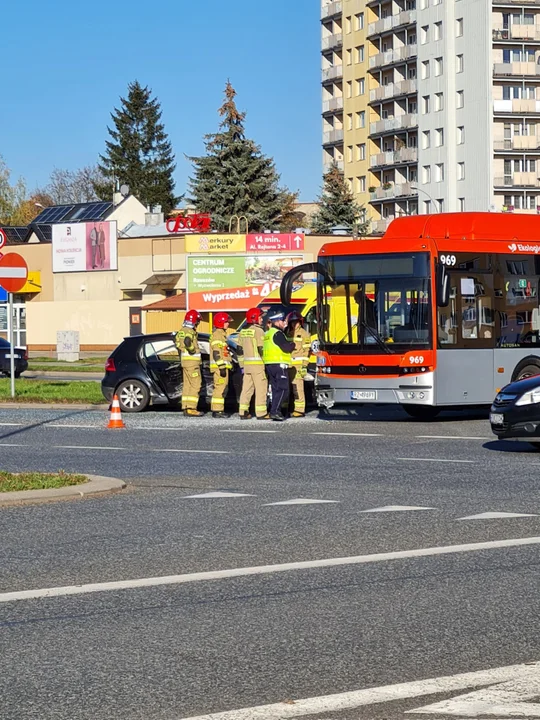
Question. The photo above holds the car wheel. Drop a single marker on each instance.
(133, 396)
(422, 412)
(526, 370)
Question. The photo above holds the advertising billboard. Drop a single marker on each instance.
(234, 283)
(84, 247)
(215, 243)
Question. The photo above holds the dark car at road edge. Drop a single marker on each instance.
(515, 412)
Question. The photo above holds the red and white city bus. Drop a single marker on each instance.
(442, 311)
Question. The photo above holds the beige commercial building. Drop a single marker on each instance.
(432, 105)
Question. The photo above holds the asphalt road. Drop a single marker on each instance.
(195, 645)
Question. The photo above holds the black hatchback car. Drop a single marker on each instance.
(146, 370)
(515, 412)
(21, 359)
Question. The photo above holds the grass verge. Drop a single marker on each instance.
(12, 482)
(98, 360)
(52, 391)
(64, 367)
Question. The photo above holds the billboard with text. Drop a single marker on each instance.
(84, 247)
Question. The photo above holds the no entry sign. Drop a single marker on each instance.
(3, 238)
(13, 272)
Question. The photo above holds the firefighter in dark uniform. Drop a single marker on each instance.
(277, 359)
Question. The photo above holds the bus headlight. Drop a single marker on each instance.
(529, 398)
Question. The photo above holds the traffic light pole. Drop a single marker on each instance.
(11, 343)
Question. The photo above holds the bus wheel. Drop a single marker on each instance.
(422, 412)
(526, 368)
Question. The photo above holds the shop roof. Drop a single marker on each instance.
(175, 302)
(15, 235)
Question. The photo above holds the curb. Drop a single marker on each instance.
(52, 406)
(96, 485)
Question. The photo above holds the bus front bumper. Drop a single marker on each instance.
(410, 390)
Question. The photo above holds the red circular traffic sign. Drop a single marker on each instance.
(3, 238)
(13, 272)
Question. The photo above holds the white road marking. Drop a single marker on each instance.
(306, 455)
(216, 494)
(78, 427)
(86, 447)
(301, 501)
(250, 431)
(497, 515)
(396, 508)
(11, 424)
(452, 437)
(178, 450)
(349, 434)
(524, 676)
(13, 445)
(263, 569)
(435, 460)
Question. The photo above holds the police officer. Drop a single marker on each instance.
(277, 359)
(190, 354)
(300, 360)
(251, 341)
(220, 364)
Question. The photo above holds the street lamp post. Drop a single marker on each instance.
(415, 187)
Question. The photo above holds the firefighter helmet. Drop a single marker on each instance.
(295, 316)
(254, 315)
(192, 318)
(220, 320)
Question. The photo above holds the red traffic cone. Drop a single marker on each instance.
(116, 421)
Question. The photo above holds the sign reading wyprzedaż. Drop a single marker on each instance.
(232, 282)
(84, 247)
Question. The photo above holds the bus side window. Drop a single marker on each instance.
(447, 326)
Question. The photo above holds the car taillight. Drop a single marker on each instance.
(25, 356)
(110, 366)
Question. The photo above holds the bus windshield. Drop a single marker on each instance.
(376, 303)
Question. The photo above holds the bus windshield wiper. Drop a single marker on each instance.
(378, 339)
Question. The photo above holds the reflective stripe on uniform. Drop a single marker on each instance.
(262, 408)
(189, 397)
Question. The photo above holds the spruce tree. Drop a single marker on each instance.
(234, 178)
(337, 206)
(139, 153)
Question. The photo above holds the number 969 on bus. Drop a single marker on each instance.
(449, 260)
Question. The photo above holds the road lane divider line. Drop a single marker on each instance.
(347, 434)
(11, 424)
(178, 450)
(115, 585)
(85, 447)
(445, 460)
(307, 455)
(451, 437)
(249, 431)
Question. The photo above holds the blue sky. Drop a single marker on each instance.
(69, 63)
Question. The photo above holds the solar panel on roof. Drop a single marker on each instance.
(53, 214)
(95, 211)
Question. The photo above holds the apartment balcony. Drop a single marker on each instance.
(331, 10)
(519, 179)
(379, 227)
(517, 69)
(521, 107)
(406, 17)
(396, 190)
(396, 157)
(332, 137)
(514, 3)
(519, 143)
(327, 166)
(529, 33)
(385, 92)
(335, 103)
(391, 57)
(400, 122)
(332, 41)
(332, 73)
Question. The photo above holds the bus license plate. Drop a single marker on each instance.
(363, 394)
(496, 419)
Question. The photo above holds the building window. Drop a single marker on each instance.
(427, 207)
(360, 86)
(425, 104)
(460, 99)
(349, 122)
(425, 69)
(361, 184)
(349, 88)
(360, 54)
(424, 34)
(460, 135)
(349, 154)
(438, 66)
(461, 202)
(359, 21)
(439, 137)
(437, 31)
(426, 174)
(426, 140)
(459, 63)
(439, 172)
(361, 152)
(348, 24)
(459, 27)
(440, 204)
(132, 295)
(349, 57)
(461, 171)
(439, 102)
(361, 119)
(424, 4)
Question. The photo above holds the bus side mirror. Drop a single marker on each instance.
(443, 286)
(290, 277)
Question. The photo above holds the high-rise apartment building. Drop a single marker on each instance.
(433, 105)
